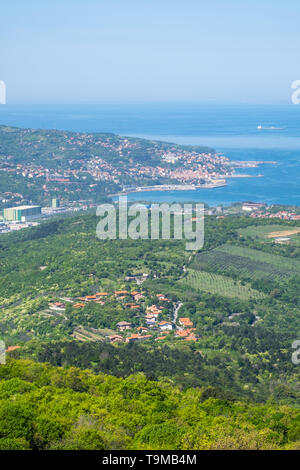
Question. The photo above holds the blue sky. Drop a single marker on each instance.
(149, 50)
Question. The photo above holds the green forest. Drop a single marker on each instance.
(46, 407)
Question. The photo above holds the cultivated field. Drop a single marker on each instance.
(221, 285)
(254, 264)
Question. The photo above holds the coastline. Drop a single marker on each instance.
(169, 187)
(218, 183)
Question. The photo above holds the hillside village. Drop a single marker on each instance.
(157, 321)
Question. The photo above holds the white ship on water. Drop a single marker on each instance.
(269, 128)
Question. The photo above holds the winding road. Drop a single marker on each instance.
(175, 312)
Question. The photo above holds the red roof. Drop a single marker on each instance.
(12, 348)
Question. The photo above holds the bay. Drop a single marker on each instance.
(229, 128)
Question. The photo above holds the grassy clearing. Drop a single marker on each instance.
(269, 231)
(284, 233)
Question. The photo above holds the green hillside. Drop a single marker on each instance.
(43, 407)
(243, 323)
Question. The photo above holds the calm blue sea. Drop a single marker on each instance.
(231, 129)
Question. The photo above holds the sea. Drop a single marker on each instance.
(231, 129)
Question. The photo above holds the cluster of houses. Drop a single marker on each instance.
(187, 332)
(184, 331)
(151, 319)
(155, 323)
(100, 297)
(260, 211)
(283, 215)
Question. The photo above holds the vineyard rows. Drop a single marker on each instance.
(255, 264)
(221, 285)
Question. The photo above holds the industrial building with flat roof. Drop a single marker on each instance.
(21, 213)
